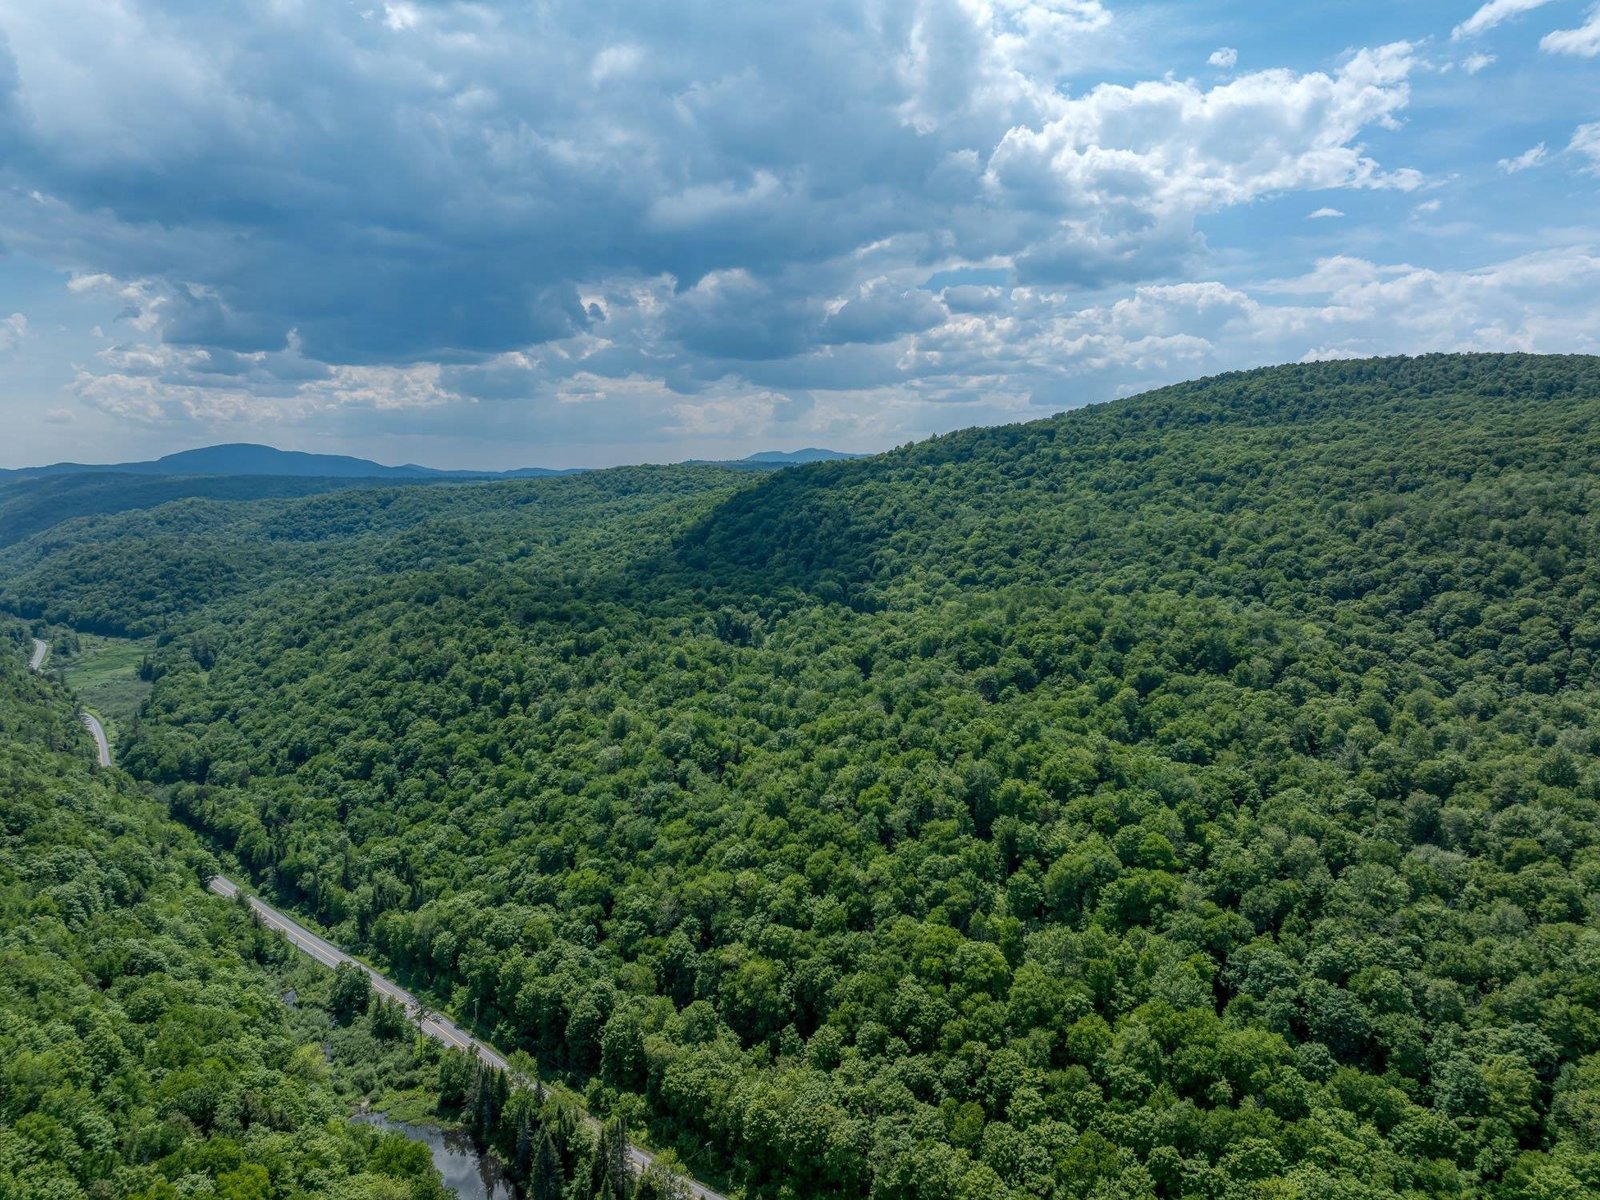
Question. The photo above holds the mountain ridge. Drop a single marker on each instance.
(252, 458)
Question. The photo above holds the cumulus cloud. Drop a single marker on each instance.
(1324, 214)
(1474, 63)
(993, 352)
(1226, 58)
(1123, 171)
(1344, 307)
(1532, 157)
(296, 207)
(163, 384)
(1496, 12)
(1583, 41)
(1041, 350)
(12, 330)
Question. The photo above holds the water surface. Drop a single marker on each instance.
(471, 1175)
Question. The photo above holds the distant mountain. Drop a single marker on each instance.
(244, 458)
(774, 460)
(810, 454)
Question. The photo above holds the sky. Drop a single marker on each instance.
(564, 233)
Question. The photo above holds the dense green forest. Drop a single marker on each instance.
(157, 1042)
(146, 570)
(31, 506)
(1191, 796)
(145, 1051)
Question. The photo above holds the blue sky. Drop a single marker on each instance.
(502, 234)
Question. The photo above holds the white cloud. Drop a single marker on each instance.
(1583, 41)
(1532, 157)
(381, 388)
(1474, 63)
(1226, 58)
(1586, 142)
(775, 142)
(400, 17)
(1019, 350)
(1493, 13)
(863, 222)
(1345, 307)
(1170, 148)
(141, 299)
(735, 201)
(161, 384)
(615, 60)
(12, 330)
(1330, 354)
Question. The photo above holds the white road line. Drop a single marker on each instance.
(436, 1026)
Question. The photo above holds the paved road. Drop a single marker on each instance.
(325, 952)
(435, 1026)
(102, 748)
(98, 732)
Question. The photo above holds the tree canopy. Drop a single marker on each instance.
(1191, 796)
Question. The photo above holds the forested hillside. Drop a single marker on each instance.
(148, 571)
(32, 506)
(144, 1049)
(1192, 796)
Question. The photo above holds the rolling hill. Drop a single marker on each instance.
(1194, 795)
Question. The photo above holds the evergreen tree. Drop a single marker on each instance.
(522, 1158)
(568, 1138)
(610, 1178)
(546, 1179)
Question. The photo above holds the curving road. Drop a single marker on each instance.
(438, 1027)
(102, 748)
(97, 731)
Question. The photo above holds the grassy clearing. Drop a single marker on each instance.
(105, 674)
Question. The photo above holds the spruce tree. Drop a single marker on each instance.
(610, 1178)
(546, 1179)
(522, 1158)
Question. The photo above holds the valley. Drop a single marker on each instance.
(951, 600)
(1188, 795)
(654, 1181)
(434, 1025)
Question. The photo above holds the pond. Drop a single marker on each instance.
(471, 1175)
